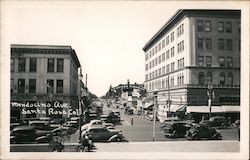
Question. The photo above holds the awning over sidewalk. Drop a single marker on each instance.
(214, 109)
(177, 108)
(148, 105)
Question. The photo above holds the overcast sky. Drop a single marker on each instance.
(108, 36)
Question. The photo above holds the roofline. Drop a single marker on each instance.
(188, 12)
(49, 47)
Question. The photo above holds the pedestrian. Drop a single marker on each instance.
(132, 120)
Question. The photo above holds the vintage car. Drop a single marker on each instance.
(199, 132)
(176, 129)
(102, 134)
(96, 123)
(217, 121)
(23, 134)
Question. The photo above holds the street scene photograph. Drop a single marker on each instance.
(123, 77)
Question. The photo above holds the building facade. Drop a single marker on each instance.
(193, 49)
(44, 81)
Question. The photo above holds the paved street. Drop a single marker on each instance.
(142, 129)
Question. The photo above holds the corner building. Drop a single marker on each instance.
(195, 48)
(43, 77)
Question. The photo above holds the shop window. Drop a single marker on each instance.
(201, 78)
(208, 61)
(222, 79)
(222, 61)
(209, 77)
(59, 86)
(32, 64)
(50, 86)
(32, 85)
(21, 64)
(229, 62)
(21, 86)
(230, 79)
(51, 64)
(200, 60)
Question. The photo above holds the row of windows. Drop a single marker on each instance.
(207, 61)
(165, 42)
(32, 86)
(165, 69)
(33, 65)
(207, 27)
(223, 79)
(206, 43)
(164, 56)
(165, 82)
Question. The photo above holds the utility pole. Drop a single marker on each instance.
(155, 109)
(210, 94)
(168, 101)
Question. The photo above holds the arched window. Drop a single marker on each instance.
(222, 79)
(209, 77)
(201, 78)
(230, 78)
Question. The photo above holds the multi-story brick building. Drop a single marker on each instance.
(195, 48)
(44, 81)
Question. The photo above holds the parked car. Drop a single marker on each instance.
(217, 121)
(113, 129)
(96, 123)
(170, 119)
(13, 125)
(198, 132)
(70, 123)
(100, 133)
(176, 129)
(23, 134)
(41, 125)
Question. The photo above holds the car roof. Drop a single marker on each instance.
(24, 128)
(31, 122)
(174, 122)
(96, 127)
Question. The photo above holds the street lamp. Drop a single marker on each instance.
(155, 108)
(80, 103)
(210, 94)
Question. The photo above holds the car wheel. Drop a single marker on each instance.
(193, 137)
(118, 139)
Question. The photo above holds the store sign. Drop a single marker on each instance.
(56, 108)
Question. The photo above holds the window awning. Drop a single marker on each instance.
(177, 108)
(214, 109)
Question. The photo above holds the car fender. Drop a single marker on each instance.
(114, 137)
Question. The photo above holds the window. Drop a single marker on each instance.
(167, 69)
(167, 40)
(21, 86)
(229, 62)
(228, 27)
(12, 65)
(172, 81)
(230, 79)
(32, 85)
(172, 36)
(21, 64)
(200, 60)
(146, 56)
(32, 64)
(60, 65)
(50, 86)
(172, 52)
(163, 70)
(208, 61)
(201, 78)
(11, 85)
(156, 61)
(221, 45)
(51, 65)
(207, 26)
(155, 49)
(159, 71)
(208, 43)
(200, 26)
(163, 43)
(163, 56)
(229, 44)
(159, 46)
(220, 26)
(167, 54)
(200, 43)
(209, 77)
(146, 67)
(163, 83)
(222, 61)
(59, 86)
(172, 66)
(159, 58)
(222, 79)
